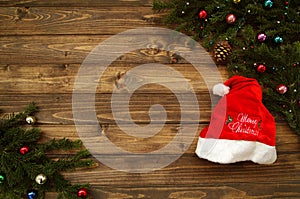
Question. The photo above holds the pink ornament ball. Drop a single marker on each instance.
(261, 37)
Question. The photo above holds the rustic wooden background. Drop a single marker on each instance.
(42, 45)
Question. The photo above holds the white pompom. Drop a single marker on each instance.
(220, 89)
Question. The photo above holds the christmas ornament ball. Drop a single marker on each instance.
(202, 14)
(82, 193)
(281, 89)
(24, 150)
(268, 3)
(299, 103)
(261, 37)
(30, 119)
(230, 18)
(32, 194)
(278, 40)
(2, 178)
(236, 1)
(261, 68)
(41, 179)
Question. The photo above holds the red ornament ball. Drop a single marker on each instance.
(261, 68)
(230, 19)
(202, 14)
(82, 193)
(281, 89)
(299, 103)
(24, 150)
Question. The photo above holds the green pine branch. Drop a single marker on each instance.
(20, 170)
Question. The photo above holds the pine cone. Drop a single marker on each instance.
(221, 51)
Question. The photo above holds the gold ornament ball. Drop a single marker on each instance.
(41, 179)
(236, 1)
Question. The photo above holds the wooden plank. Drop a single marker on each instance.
(225, 191)
(60, 78)
(57, 108)
(70, 49)
(189, 170)
(77, 3)
(287, 140)
(47, 49)
(72, 20)
(124, 140)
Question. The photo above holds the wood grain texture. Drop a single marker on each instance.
(57, 108)
(47, 49)
(77, 3)
(73, 49)
(42, 46)
(190, 170)
(60, 78)
(286, 142)
(226, 191)
(72, 20)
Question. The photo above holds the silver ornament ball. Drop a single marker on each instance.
(30, 119)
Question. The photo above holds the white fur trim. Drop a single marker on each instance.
(220, 89)
(229, 151)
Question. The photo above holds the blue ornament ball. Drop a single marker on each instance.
(32, 194)
(278, 40)
(268, 3)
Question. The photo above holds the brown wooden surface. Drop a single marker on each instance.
(42, 45)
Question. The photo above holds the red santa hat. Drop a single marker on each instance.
(241, 128)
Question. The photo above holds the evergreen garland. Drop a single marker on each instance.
(19, 169)
(264, 37)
